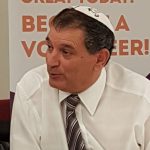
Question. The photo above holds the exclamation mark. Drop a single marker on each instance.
(146, 43)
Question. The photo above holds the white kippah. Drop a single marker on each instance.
(92, 12)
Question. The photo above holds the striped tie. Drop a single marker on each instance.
(73, 132)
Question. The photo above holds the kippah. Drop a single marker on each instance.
(93, 13)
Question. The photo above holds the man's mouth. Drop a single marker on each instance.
(55, 75)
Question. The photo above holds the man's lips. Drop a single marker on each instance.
(55, 75)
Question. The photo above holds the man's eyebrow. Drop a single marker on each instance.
(67, 46)
(47, 38)
(62, 45)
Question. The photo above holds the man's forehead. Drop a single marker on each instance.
(70, 36)
(66, 30)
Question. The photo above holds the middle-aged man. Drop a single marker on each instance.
(80, 99)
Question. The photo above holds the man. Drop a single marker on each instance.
(113, 110)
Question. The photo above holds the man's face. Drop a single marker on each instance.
(71, 68)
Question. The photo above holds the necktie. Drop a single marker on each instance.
(73, 132)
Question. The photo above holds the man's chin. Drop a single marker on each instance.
(52, 84)
(55, 84)
(61, 86)
(58, 86)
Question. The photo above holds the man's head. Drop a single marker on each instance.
(97, 34)
(79, 47)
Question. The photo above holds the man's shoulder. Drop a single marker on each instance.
(33, 80)
(126, 80)
(38, 73)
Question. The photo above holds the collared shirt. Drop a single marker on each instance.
(114, 113)
(93, 93)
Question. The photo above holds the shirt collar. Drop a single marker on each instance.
(91, 96)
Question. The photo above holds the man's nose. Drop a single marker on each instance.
(53, 58)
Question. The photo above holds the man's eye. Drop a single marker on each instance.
(49, 48)
(65, 52)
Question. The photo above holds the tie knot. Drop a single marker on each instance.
(72, 101)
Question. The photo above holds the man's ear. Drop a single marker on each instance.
(102, 57)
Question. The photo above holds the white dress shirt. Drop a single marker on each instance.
(114, 113)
